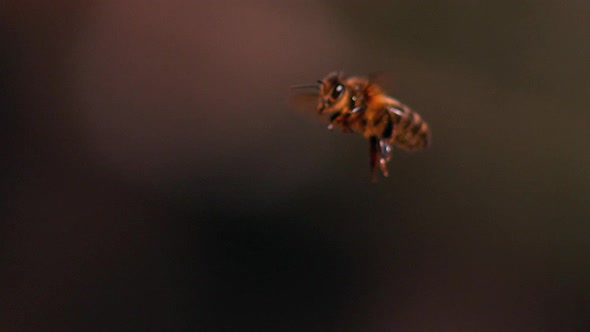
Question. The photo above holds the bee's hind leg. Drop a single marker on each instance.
(385, 156)
(384, 145)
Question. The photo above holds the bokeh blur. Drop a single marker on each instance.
(156, 179)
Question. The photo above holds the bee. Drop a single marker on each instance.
(359, 104)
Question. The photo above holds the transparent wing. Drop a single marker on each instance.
(304, 101)
(383, 79)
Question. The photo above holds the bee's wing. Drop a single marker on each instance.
(383, 79)
(304, 101)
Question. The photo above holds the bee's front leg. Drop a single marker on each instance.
(333, 118)
(339, 119)
(359, 108)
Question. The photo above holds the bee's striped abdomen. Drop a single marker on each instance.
(410, 131)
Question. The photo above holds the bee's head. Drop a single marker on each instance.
(332, 92)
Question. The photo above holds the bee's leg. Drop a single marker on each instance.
(359, 109)
(340, 119)
(373, 148)
(385, 156)
(345, 124)
(384, 145)
(333, 118)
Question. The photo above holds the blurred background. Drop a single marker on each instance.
(154, 177)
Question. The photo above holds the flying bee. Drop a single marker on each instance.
(359, 104)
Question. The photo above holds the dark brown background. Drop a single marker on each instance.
(155, 179)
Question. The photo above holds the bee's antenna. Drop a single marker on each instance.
(304, 86)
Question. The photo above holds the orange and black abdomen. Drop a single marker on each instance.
(410, 132)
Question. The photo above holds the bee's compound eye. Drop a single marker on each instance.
(338, 89)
